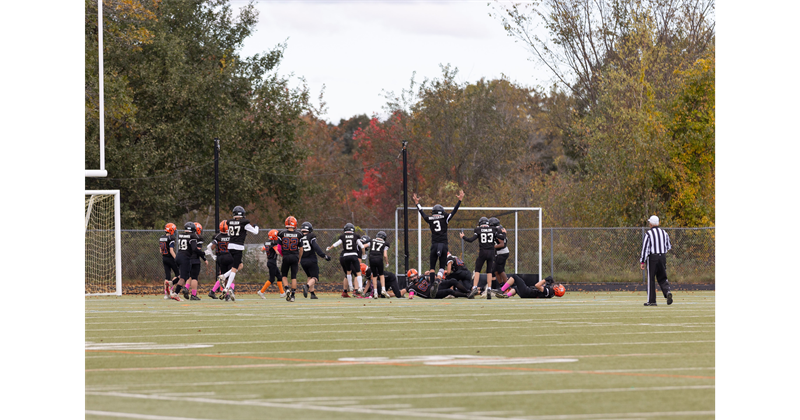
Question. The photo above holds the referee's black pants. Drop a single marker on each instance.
(656, 270)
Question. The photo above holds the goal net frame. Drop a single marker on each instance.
(515, 210)
(117, 239)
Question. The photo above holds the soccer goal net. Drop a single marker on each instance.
(523, 230)
(103, 270)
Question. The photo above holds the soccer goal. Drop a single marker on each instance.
(103, 270)
(523, 229)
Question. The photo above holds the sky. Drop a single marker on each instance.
(358, 49)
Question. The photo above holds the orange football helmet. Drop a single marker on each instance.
(199, 228)
(363, 269)
(291, 222)
(223, 226)
(170, 228)
(559, 290)
(273, 234)
(412, 273)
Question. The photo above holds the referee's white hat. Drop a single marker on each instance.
(653, 220)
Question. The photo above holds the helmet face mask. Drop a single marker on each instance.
(238, 211)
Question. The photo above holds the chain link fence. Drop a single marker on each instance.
(571, 255)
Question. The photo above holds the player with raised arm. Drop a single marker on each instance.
(486, 234)
(272, 248)
(351, 247)
(166, 244)
(292, 253)
(438, 222)
(237, 230)
(309, 261)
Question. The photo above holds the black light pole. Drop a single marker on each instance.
(216, 193)
(405, 205)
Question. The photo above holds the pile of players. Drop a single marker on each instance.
(183, 252)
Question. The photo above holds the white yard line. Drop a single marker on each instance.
(137, 416)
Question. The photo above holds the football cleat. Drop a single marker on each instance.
(288, 297)
(305, 291)
(212, 295)
(194, 297)
(292, 298)
(186, 293)
(473, 292)
(384, 294)
(344, 294)
(650, 304)
(313, 296)
(499, 294)
(166, 297)
(449, 297)
(174, 296)
(261, 294)
(669, 298)
(434, 289)
(283, 295)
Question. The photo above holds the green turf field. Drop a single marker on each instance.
(586, 356)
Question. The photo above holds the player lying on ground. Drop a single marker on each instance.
(543, 289)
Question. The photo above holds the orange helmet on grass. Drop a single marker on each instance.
(559, 290)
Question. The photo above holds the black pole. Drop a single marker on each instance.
(216, 193)
(405, 206)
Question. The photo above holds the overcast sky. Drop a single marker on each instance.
(357, 49)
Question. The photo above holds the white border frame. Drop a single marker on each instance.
(117, 240)
(100, 173)
(419, 233)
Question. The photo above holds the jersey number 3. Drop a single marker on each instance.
(437, 226)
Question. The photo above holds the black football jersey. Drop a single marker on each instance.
(376, 247)
(458, 264)
(198, 251)
(485, 235)
(500, 235)
(290, 242)
(438, 223)
(221, 241)
(236, 230)
(272, 254)
(310, 247)
(186, 243)
(350, 243)
(165, 242)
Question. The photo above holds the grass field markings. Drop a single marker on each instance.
(420, 412)
(348, 410)
(441, 360)
(447, 395)
(625, 416)
(396, 363)
(137, 416)
(142, 346)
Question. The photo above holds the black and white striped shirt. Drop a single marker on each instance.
(656, 241)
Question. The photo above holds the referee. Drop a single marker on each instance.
(654, 254)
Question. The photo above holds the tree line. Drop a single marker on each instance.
(626, 130)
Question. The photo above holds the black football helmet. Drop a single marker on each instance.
(381, 235)
(493, 221)
(190, 226)
(238, 211)
(438, 209)
(483, 221)
(364, 239)
(306, 227)
(349, 228)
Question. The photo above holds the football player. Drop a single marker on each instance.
(427, 286)
(486, 234)
(292, 253)
(351, 246)
(186, 243)
(237, 230)
(378, 257)
(391, 283)
(194, 274)
(456, 270)
(166, 244)
(543, 289)
(501, 250)
(438, 222)
(309, 261)
(272, 248)
(221, 254)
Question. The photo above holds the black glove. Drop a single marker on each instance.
(327, 257)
